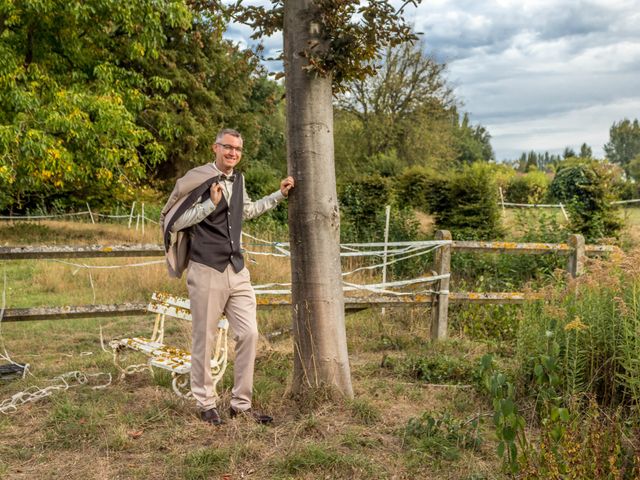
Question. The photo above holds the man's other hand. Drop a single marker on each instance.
(286, 185)
(216, 193)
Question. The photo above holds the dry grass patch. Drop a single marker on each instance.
(57, 232)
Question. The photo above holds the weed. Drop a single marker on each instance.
(509, 423)
(364, 411)
(433, 368)
(327, 460)
(441, 436)
(595, 444)
(206, 462)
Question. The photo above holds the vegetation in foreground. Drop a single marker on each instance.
(548, 390)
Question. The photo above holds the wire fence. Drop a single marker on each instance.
(135, 218)
(504, 204)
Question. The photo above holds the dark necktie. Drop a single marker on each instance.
(229, 178)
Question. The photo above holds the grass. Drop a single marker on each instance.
(137, 428)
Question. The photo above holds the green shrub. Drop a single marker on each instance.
(363, 203)
(587, 188)
(441, 436)
(467, 203)
(528, 188)
(417, 185)
(436, 368)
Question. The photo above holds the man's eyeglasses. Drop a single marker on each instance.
(230, 148)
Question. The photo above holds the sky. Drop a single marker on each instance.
(538, 74)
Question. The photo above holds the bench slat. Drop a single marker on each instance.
(172, 311)
(168, 299)
(162, 356)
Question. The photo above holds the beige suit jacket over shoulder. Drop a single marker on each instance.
(177, 252)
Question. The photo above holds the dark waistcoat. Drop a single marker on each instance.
(215, 241)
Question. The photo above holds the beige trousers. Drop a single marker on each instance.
(213, 293)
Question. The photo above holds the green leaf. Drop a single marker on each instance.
(509, 434)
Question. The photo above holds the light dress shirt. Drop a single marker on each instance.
(200, 210)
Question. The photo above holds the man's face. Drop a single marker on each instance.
(228, 153)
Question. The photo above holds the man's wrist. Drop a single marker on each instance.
(208, 205)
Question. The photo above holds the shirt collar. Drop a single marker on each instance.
(215, 167)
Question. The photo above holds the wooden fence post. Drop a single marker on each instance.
(440, 306)
(575, 265)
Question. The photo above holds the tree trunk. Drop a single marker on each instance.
(320, 348)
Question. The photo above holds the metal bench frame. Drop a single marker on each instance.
(175, 360)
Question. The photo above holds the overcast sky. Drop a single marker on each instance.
(538, 74)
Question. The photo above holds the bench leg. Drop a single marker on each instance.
(180, 385)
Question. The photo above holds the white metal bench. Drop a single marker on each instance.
(175, 360)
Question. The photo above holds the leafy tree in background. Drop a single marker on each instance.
(68, 99)
(407, 85)
(96, 96)
(406, 115)
(587, 188)
(202, 83)
(634, 167)
(624, 143)
(585, 151)
(473, 143)
(536, 161)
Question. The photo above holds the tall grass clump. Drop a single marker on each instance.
(578, 354)
(593, 326)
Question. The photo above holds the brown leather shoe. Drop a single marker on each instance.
(211, 416)
(255, 416)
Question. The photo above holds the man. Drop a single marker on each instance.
(202, 223)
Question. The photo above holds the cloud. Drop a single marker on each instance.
(540, 74)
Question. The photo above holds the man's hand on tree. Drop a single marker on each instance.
(286, 185)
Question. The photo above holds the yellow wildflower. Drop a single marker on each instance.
(576, 324)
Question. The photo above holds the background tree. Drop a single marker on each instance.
(585, 151)
(624, 143)
(634, 167)
(203, 82)
(68, 99)
(96, 96)
(473, 143)
(569, 153)
(405, 115)
(408, 85)
(533, 160)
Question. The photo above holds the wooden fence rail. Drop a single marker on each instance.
(575, 249)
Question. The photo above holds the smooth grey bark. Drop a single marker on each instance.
(320, 344)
